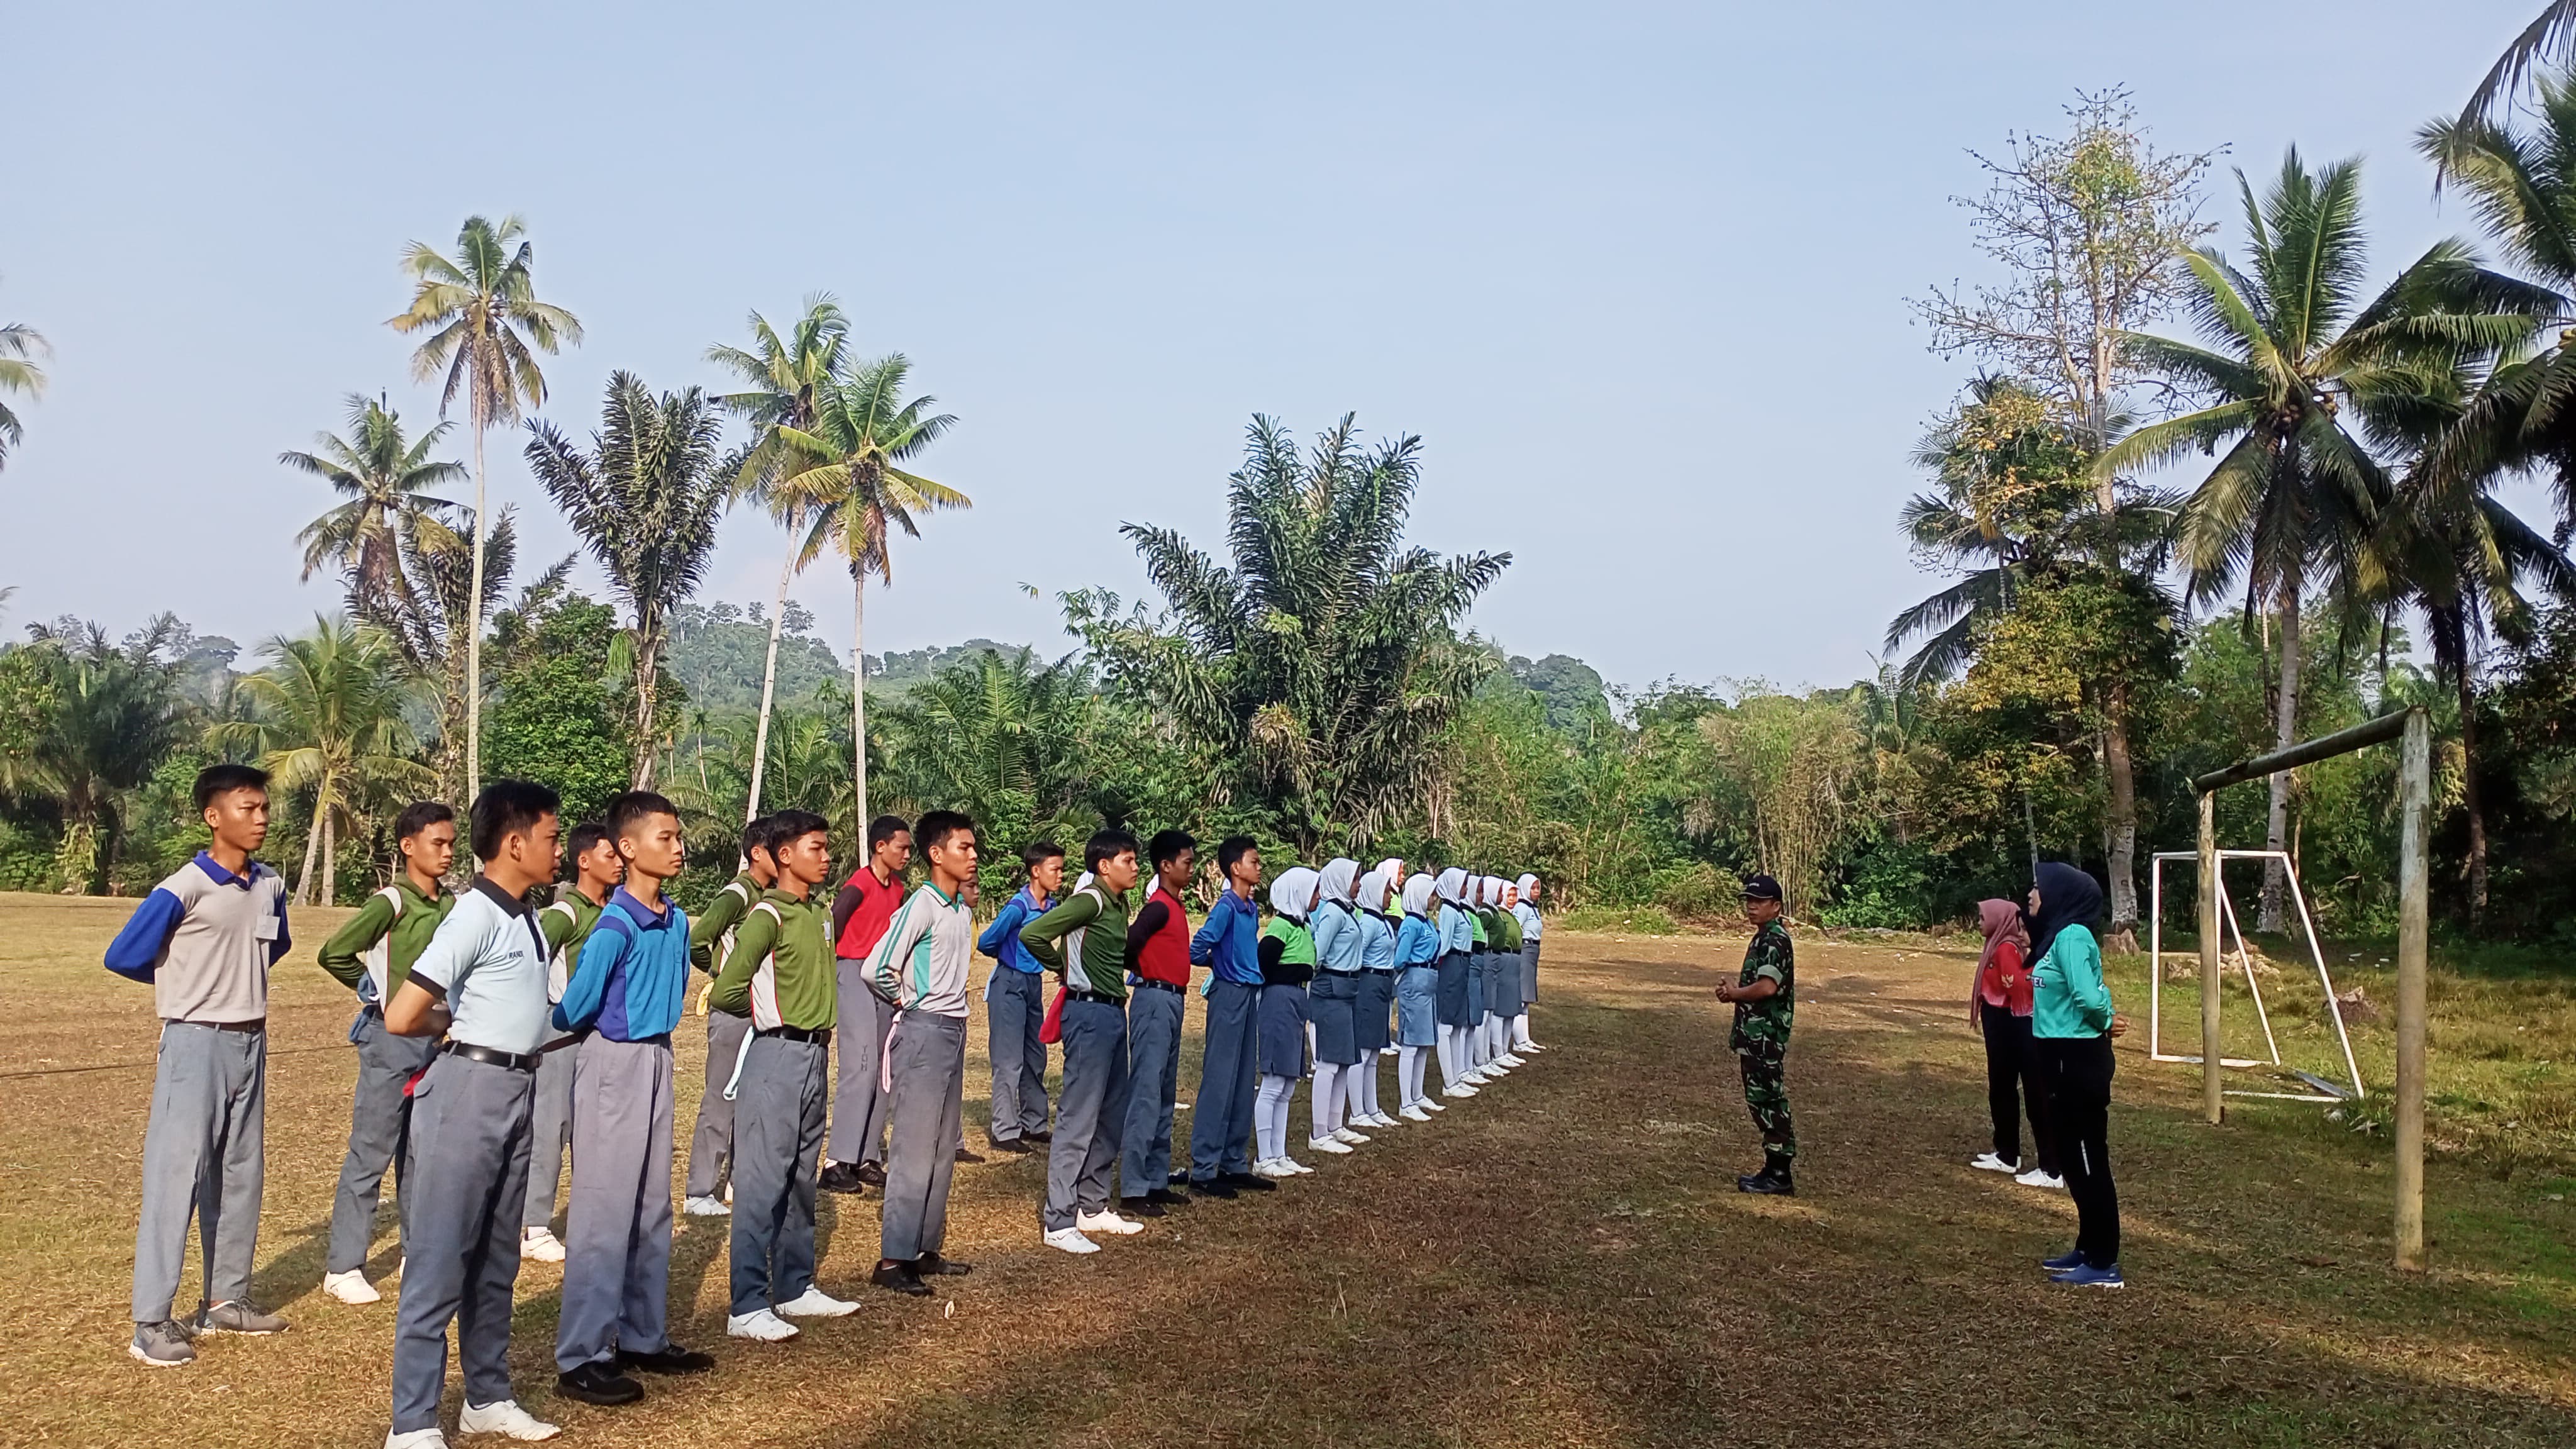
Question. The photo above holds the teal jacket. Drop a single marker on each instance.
(2068, 997)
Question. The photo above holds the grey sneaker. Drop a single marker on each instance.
(235, 1316)
(161, 1345)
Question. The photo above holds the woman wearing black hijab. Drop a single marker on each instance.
(2071, 1019)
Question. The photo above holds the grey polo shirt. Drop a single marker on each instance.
(488, 963)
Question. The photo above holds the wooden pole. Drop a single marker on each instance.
(2414, 803)
(2213, 1101)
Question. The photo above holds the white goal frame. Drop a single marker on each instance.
(2245, 962)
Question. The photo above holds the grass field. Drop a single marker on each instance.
(1563, 1261)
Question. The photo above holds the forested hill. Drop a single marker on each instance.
(717, 651)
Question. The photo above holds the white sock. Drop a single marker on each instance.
(1444, 1046)
(1325, 1098)
(1408, 1074)
(1520, 1029)
(1268, 1125)
(1368, 1085)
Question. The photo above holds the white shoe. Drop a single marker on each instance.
(1071, 1240)
(759, 1324)
(416, 1439)
(707, 1207)
(1509, 1059)
(1476, 1077)
(1425, 1103)
(540, 1245)
(1457, 1089)
(1270, 1168)
(1527, 1046)
(2037, 1178)
(506, 1419)
(1294, 1166)
(1106, 1221)
(1387, 1051)
(1988, 1162)
(815, 1303)
(1349, 1138)
(1413, 1113)
(353, 1289)
(1380, 1119)
(1327, 1144)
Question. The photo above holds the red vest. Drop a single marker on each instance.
(878, 901)
(1165, 956)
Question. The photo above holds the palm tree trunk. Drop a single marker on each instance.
(330, 857)
(474, 622)
(312, 846)
(2469, 797)
(859, 696)
(769, 681)
(648, 674)
(2285, 732)
(2122, 832)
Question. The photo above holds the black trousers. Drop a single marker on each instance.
(2078, 1072)
(2013, 1079)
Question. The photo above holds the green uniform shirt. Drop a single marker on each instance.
(352, 954)
(1296, 943)
(1765, 1024)
(1482, 917)
(1083, 939)
(794, 936)
(1507, 932)
(709, 933)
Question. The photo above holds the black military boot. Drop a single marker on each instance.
(1772, 1181)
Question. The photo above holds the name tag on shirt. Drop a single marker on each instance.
(265, 928)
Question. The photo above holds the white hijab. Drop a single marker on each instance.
(1417, 894)
(1451, 886)
(1293, 893)
(1337, 879)
(1525, 883)
(1373, 888)
(1489, 890)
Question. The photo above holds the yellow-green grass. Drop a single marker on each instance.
(1562, 1261)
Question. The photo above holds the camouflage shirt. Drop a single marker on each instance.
(1765, 1023)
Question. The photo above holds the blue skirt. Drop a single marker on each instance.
(1369, 1018)
(1417, 999)
(1332, 1000)
(1454, 974)
(1502, 983)
(1529, 971)
(1283, 1031)
(1479, 964)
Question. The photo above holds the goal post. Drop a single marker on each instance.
(2235, 931)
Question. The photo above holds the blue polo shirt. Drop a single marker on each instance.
(1228, 942)
(633, 980)
(1001, 940)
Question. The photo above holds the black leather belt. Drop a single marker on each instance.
(1095, 996)
(1377, 971)
(515, 1061)
(1150, 982)
(810, 1036)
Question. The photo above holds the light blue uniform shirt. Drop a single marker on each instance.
(1457, 932)
(1417, 942)
(488, 962)
(1337, 937)
(1377, 942)
(1527, 915)
(632, 982)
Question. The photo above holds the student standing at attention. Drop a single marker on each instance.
(2072, 1020)
(710, 940)
(1084, 941)
(482, 982)
(1531, 924)
(1377, 990)
(1765, 998)
(1334, 1000)
(1228, 944)
(596, 870)
(372, 956)
(1457, 934)
(625, 999)
(1503, 976)
(1015, 1006)
(1158, 953)
(1417, 989)
(205, 939)
(867, 902)
(924, 964)
(781, 974)
(1287, 966)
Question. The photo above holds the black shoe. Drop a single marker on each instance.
(963, 1155)
(598, 1383)
(900, 1278)
(669, 1359)
(1178, 1180)
(1140, 1207)
(1038, 1137)
(1165, 1197)
(931, 1265)
(1769, 1182)
(1013, 1145)
(1246, 1182)
(872, 1173)
(842, 1177)
(1213, 1188)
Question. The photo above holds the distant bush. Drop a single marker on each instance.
(1634, 920)
(1890, 889)
(1697, 891)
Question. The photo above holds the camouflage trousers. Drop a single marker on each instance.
(1766, 1095)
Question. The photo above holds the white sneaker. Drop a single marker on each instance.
(1458, 1088)
(707, 1207)
(2037, 1178)
(1511, 1059)
(1349, 1138)
(1387, 1051)
(1476, 1077)
(1294, 1166)
(1988, 1162)
(1424, 1103)
(815, 1303)
(540, 1245)
(1271, 1168)
(1380, 1119)
(416, 1439)
(353, 1289)
(1413, 1113)
(1106, 1221)
(1527, 1046)
(1071, 1240)
(1327, 1144)
(759, 1324)
(506, 1419)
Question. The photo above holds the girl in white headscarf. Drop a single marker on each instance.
(1531, 924)
(1377, 992)
(1287, 954)
(1457, 931)
(1393, 869)
(1502, 976)
(1417, 992)
(1333, 1003)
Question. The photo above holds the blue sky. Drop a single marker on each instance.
(1636, 274)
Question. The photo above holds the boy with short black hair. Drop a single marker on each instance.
(1015, 1006)
(482, 982)
(710, 941)
(780, 973)
(924, 963)
(372, 956)
(1228, 944)
(626, 996)
(205, 939)
(567, 922)
(1084, 941)
(860, 913)
(1158, 956)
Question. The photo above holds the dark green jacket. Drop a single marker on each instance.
(1083, 939)
(372, 954)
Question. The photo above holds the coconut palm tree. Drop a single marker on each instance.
(111, 716)
(854, 491)
(485, 328)
(20, 372)
(787, 379)
(2546, 37)
(646, 497)
(328, 717)
(426, 628)
(384, 479)
(2307, 378)
(1000, 737)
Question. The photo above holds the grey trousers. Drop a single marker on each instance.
(1092, 1105)
(858, 1107)
(617, 1227)
(711, 1145)
(469, 1163)
(927, 1105)
(777, 1135)
(202, 1155)
(379, 1121)
(1014, 1010)
(1153, 1082)
(549, 1134)
(1222, 1121)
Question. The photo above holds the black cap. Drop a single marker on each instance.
(1761, 888)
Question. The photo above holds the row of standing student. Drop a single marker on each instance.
(493, 1035)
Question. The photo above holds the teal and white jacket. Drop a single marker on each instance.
(928, 953)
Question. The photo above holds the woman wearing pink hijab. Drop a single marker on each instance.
(1999, 1003)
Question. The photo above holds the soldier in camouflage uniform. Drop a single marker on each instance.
(1765, 997)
